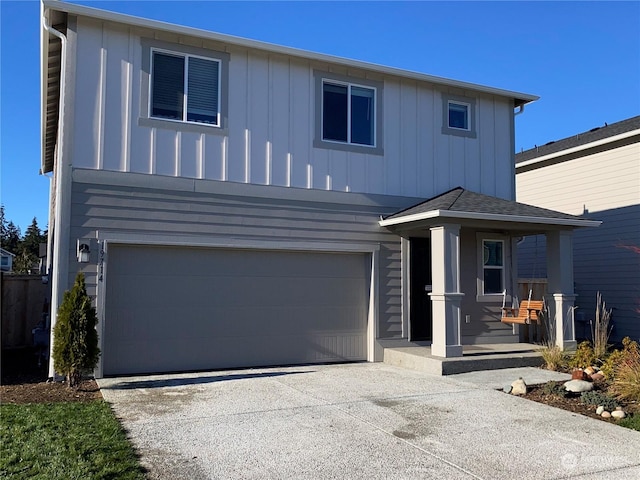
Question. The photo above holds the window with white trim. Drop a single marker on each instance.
(458, 115)
(493, 254)
(184, 88)
(348, 113)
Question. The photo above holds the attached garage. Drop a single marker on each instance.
(171, 309)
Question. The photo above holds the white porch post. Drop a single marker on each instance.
(561, 297)
(446, 295)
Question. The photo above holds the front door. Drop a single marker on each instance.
(420, 320)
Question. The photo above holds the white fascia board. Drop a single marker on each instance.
(490, 217)
(579, 148)
(44, 60)
(521, 98)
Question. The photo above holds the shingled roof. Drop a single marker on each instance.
(593, 135)
(461, 203)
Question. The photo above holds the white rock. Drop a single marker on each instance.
(578, 386)
(519, 387)
(605, 414)
(599, 410)
(618, 414)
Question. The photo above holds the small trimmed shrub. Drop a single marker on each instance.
(584, 356)
(554, 388)
(632, 422)
(599, 398)
(75, 339)
(609, 366)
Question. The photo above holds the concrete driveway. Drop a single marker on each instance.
(364, 421)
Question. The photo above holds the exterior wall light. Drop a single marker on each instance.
(83, 252)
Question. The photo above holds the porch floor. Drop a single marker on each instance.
(474, 358)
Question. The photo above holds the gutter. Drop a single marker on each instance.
(56, 239)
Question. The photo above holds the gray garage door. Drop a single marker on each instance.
(179, 309)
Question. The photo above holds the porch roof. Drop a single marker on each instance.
(461, 204)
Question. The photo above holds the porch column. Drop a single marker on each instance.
(561, 297)
(446, 295)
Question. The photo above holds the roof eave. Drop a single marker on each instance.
(566, 222)
(579, 148)
(519, 98)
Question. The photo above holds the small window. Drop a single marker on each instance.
(348, 113)
(5, 261)
(185, 88)
(459, 115)
(492, 267)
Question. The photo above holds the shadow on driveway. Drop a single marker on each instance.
(178, 382)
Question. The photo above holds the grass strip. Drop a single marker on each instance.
(67, 440)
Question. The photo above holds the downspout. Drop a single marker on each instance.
(58, 243)
(515, 114)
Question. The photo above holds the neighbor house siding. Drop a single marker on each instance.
(269, 135)
(601, 186)
(107, 202)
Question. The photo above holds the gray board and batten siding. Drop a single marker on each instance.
(130, 209)
(269, 131)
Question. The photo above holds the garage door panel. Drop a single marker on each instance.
(178, 309)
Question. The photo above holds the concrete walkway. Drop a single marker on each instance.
(369, 421)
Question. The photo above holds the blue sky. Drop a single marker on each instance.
(581, 58)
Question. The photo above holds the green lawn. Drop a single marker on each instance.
(68, 440)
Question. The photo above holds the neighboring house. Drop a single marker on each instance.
(234, 203)
(595, 174)
(6, 260)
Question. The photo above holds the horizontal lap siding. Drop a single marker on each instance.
(603, 186)
(207, 217)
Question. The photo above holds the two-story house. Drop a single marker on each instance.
(234, 203)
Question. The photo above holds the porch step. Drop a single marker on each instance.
(475, 358)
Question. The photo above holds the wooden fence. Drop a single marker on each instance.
(24, 305)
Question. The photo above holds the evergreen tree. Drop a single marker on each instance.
(3, 224)
(33, 237)
(25, 263)
(11, 239)
(75, 341)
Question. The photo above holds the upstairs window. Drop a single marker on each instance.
(348, 113)
(185, 88)
(458, 115)
(492, 267)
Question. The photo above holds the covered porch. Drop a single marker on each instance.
(459, 268)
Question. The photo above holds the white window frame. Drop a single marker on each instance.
(377, 86)
(482, 238)
(349, 85)
(470, 103)
(468, 112)
(186, 57)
